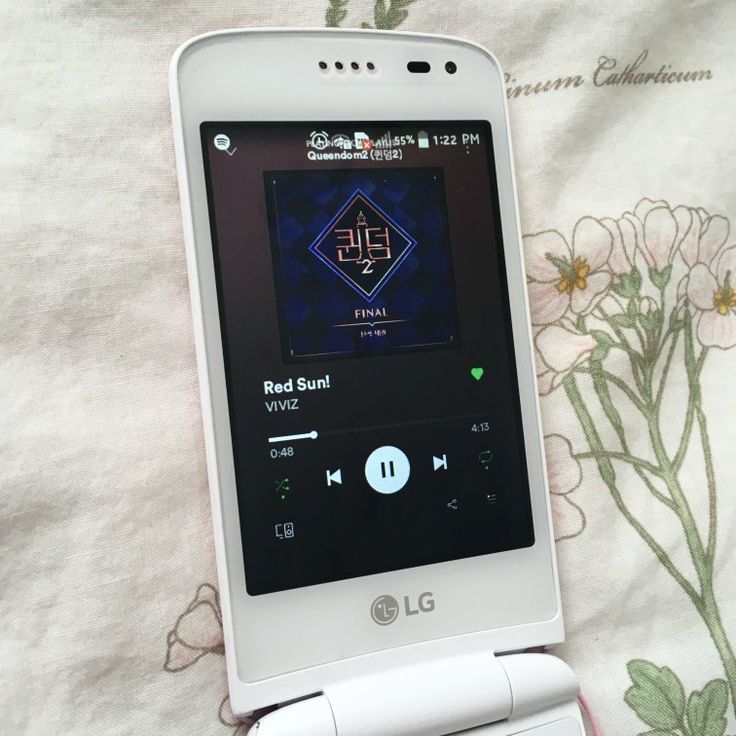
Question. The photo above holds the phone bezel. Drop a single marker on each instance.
(287, 644)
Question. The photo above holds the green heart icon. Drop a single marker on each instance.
(477, 373)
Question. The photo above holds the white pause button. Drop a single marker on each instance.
(387, 469)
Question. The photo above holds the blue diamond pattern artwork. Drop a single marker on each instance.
(362, 261)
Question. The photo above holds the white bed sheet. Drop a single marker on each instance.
(106, 561)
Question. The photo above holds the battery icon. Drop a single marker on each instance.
(422, 139)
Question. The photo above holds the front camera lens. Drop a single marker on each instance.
(451, 67)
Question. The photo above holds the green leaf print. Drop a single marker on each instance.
(657, 695)
(336, 12)
(706, 709)
(389, 16)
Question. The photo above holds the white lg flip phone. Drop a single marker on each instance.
(380, 507)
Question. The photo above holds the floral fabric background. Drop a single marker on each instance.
(622, 118)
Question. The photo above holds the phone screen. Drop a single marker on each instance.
(364, 314)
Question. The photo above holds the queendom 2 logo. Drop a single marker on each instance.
(363, 245)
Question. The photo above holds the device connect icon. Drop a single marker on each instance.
(284, 530)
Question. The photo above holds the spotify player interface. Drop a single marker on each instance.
(364, 314)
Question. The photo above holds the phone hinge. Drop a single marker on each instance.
(442, 696)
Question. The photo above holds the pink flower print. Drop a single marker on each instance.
(568, 519)
(710, 236)
(558, 351)
(563, 470)
(197, 631)
(623, 247)
(565, 476)
(661, 230)
(562, 277)
(648, 307)
(241, 727)
(547, 380)
(711, 291)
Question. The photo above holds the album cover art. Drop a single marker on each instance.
(362, 261)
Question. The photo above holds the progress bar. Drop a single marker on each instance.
(290, 437)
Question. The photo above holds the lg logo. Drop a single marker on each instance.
(385, 609)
